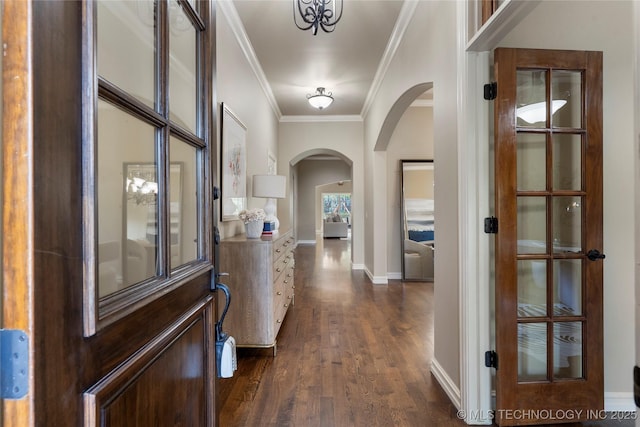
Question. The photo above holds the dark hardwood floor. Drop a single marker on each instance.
(349, 354)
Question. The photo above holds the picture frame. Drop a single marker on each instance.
(272, 163)
(233, 165)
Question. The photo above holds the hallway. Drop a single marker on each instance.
(349, 354)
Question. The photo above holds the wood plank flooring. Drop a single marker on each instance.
(349, 354)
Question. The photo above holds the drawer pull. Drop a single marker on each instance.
(286, 281)
(286, 305)
(279, 293)
(285, 261)
(289, 297)
(288, 274)
(278, 250)
(278, 270)
(279, 321)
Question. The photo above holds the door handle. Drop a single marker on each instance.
(595, 254)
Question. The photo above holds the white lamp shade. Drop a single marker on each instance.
(269, 186)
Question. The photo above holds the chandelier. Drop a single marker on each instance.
(320, 99)
(317, 13)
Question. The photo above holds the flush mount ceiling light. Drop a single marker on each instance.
(537, 112)
(317, 13)
(320, 99)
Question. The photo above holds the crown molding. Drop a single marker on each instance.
(406, 13)
(305, 119)
(229, 10)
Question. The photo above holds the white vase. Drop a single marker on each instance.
(254, 229)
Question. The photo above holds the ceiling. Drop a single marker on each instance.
(292, 63)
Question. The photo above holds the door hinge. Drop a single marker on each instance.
(491, 359)
(491, 225)
(490, 91)
(14, 364)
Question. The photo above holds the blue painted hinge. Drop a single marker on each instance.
(14, 364)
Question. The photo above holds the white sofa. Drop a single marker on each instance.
(335, 229)
(418, 260)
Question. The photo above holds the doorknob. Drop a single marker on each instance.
(595, 254)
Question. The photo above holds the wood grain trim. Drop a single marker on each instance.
(100, 395)
(505, 190)
(89, 102)
(17, 196)
(487, 9)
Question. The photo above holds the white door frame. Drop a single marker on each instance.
(473, 199)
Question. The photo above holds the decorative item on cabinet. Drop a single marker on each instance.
(253, 221)
(261, 281)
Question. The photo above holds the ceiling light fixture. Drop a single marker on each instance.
(320, 99)
(537, 112)
(317, 13)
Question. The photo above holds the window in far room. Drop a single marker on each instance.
(338, 206)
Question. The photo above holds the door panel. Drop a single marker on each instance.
(156, 360)
(548, 122)
(164, 383)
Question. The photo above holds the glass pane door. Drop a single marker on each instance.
(548, 309)
(549, 140)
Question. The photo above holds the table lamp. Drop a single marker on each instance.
(270, 187)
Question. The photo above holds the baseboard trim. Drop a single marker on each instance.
(394, 276)
(357, 266)
(306, 242)
(376, 280)
(619, 402)
(445, 381)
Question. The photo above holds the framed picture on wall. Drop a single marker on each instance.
(233, 165)
(272, 164)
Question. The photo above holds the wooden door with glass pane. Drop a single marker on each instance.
(548, 174)
(112, 131)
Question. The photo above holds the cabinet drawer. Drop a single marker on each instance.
(282, 245)
(281, 265)
(279, 304)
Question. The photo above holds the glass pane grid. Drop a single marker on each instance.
(531, 95)
(566, 99)
(550, 231)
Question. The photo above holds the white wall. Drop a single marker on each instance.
(301, 139)
(427, 53)
(605, 26)
(412, 139)
(238, 87)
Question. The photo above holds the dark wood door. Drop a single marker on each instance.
(548, 174)
(141, 350)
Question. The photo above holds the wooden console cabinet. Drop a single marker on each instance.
(261, 284)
